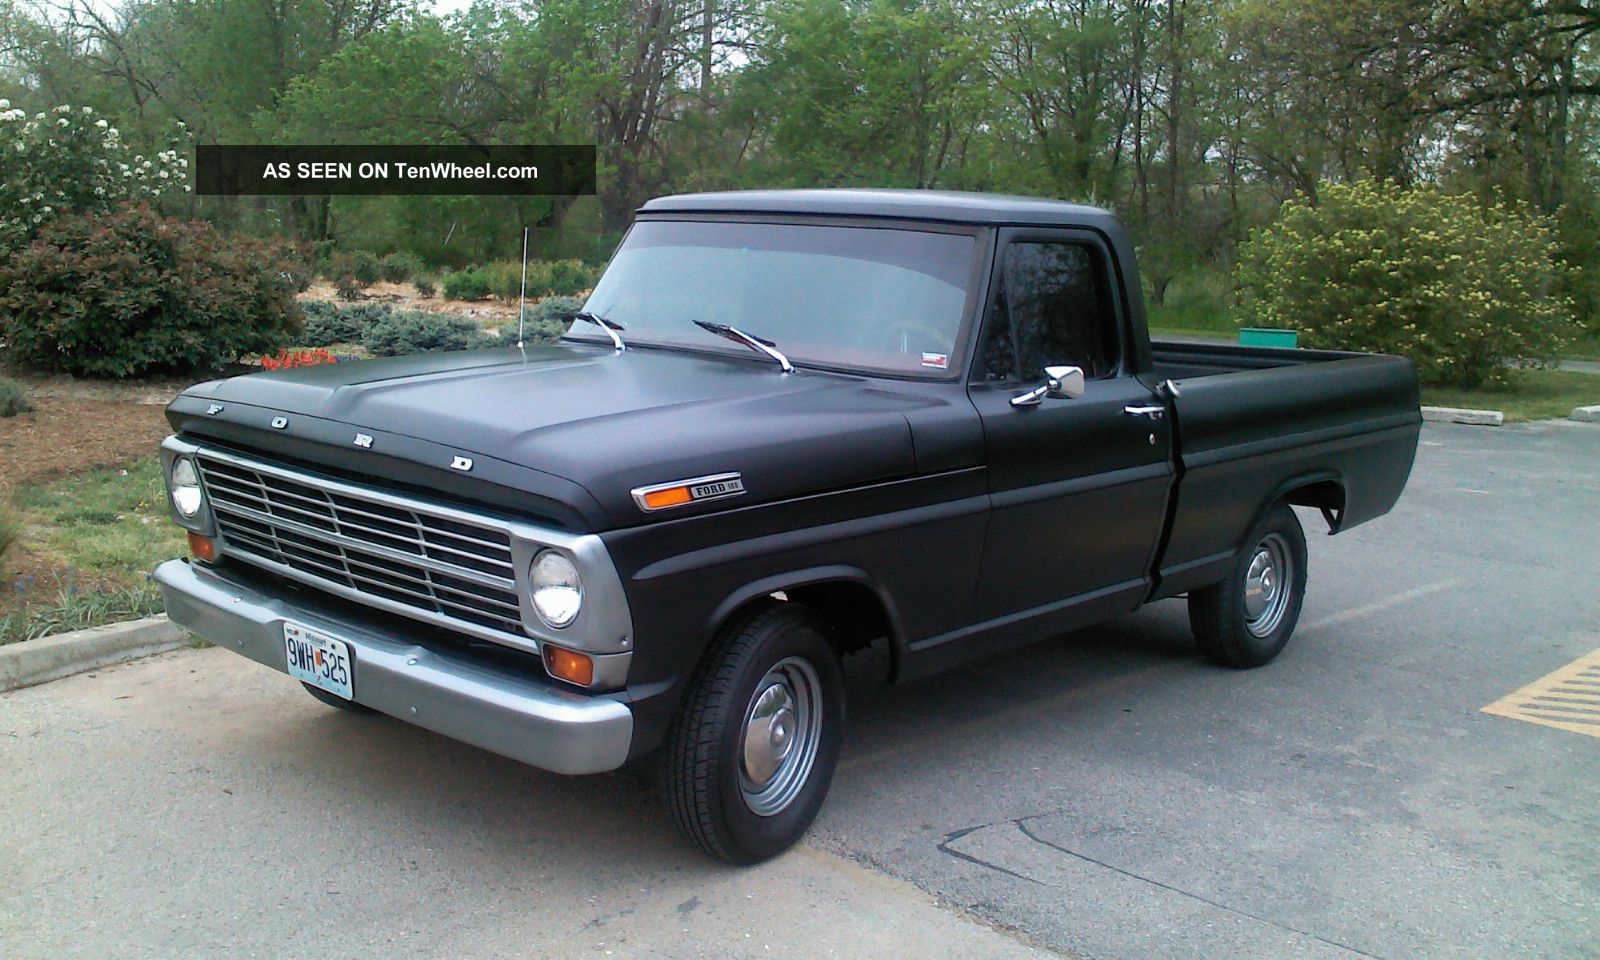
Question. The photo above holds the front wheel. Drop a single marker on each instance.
(752, 751)
(1245, 620)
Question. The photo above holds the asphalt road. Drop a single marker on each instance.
(1104, 795)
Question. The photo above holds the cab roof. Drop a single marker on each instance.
(941, 205)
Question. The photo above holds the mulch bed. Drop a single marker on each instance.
(69, 435)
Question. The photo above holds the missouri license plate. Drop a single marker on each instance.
(320, 660)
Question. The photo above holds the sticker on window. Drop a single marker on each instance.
(938, 361)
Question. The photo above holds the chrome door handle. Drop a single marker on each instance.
(1154, 411)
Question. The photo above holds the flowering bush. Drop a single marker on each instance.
(1462, 289)
(287, 359)
(70, 161)
(130, 292)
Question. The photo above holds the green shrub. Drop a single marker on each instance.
(400, 266)
(1462, 289)
(130, 293)
(426, 287)
(505, 278)
(555, 309)
(363, 266)
(545, 321)
(322, 254)
(405, 332)
(568, 277)
(330, 323)
(12, 400)
(469, 284)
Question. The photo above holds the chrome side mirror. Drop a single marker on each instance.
(1063, 383)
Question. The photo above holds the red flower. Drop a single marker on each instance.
(297, 358)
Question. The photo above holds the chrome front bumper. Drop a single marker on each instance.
(498, 710)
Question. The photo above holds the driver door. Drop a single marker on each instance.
(1078, 486)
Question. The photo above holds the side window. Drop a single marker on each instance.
(1051, 308)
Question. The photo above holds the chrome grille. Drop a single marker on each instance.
(388, 550)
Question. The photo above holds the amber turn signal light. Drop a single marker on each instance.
(670, 497)
(204, 548)
(568, 665)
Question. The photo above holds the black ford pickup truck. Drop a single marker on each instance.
(787, 424)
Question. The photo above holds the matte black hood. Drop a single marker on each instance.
(576, 425)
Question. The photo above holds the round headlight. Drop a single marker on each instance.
(185, 487)
(553, 583)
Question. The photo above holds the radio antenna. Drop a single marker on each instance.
(522, 297)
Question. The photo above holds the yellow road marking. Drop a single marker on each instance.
(1568, 699)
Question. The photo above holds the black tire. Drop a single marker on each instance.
(708, 782)
(335, 701)
(1228, 631)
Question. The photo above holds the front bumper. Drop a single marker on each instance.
(451, 694)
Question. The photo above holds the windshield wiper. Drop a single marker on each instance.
(609, 326)
(757, 344)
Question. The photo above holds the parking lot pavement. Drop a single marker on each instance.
(1103, 795)
(197, 805)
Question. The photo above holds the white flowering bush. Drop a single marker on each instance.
(1461, 288)
(71, 161)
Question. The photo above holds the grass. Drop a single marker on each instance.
(1197, 305)
(1532, 395)
(10, 527)
(1586, 347)
(75, 610)
(1195, 318)
(90, 542)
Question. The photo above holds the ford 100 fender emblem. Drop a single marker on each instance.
(681, 493)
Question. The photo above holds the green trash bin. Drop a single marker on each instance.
(1267, 337)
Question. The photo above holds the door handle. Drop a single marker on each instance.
(1154, 411)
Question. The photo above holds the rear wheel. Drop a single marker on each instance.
(752, 751)
(333, 700)
(1245, 620)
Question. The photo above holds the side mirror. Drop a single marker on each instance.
(1063, 383)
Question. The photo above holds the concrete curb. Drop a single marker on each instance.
(1482, 418)
(1585, 414)
(51, 658)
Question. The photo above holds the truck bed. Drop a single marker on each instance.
(1183, 359)
(1253, 422)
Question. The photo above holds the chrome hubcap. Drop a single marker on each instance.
(782, 726)
(1267, 584)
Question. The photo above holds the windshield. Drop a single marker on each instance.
(886, 300)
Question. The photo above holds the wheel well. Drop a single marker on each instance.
(1325, 495)
(854, 613)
